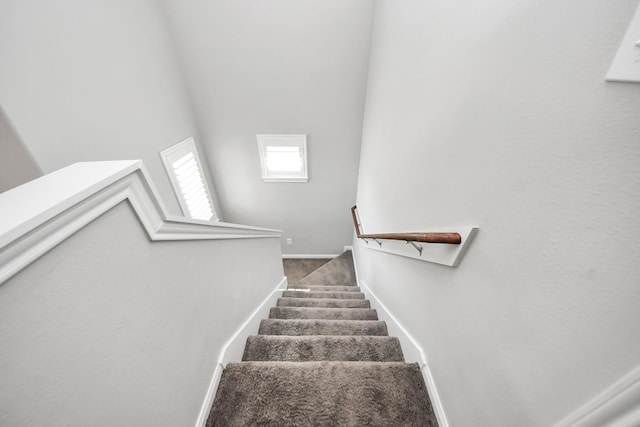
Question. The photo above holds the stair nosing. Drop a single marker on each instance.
(325, 308)
(323, 299)
(323, 338)
(326, 292)
(330, 299)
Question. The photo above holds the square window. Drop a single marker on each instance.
(283, 157)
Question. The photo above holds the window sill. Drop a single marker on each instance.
(288, 179)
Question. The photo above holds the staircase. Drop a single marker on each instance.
(322, 358)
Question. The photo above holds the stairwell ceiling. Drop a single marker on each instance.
(283, 66)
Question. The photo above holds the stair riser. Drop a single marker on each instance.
(305, 349)
(323, 313)
(324, 302)
(338, 295)
(326, 288)
(298, 327)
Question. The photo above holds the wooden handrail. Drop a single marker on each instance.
(450, 238)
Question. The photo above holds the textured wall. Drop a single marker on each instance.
(109, 329)
(282, 66)
(94, 80)
(497, 114)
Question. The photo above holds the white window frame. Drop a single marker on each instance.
(277, 140)
(175, 152)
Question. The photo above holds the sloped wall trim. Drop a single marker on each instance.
(617, 406)
(42, 213)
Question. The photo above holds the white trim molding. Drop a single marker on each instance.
(234, 348)
(412, 351)
(626, 67)
(42, 213)
(438, 253)
(616, 406)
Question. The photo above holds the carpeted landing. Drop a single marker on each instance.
(322, 358)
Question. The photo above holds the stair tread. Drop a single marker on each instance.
(315, 348)
(322, 358)
(327, 285)
(327, 288)
(323, 302)
(322, 393)
(323, 313)
(323, 294)
(296, 327)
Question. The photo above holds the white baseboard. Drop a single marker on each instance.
(617, 406)
(234, 348)
(348, 248)
(412, 351)
(410, 348)
(309, 256)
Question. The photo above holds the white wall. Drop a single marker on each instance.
(282, 66)
(16, 163)
(497, 114)
(94, 80)
(111, 329)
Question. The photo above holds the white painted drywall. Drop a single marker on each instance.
(497, 114)
(111, 329)
(94, 80)
(282, 66)
(16, 163)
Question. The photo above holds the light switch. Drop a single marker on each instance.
(626, 65)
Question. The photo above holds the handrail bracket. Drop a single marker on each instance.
(418, 247)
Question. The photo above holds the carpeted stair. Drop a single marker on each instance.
(310, 348)
(322, 358)
(323, 302)
(322, 294)
(322, 327)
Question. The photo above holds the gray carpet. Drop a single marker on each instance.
(323, 313)
(331, 288)
(296, 269)
(322, 358)
(314, 348)
(323, 302)
(287, 394)
(321, 327)
(323, 294)
(339, 271)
